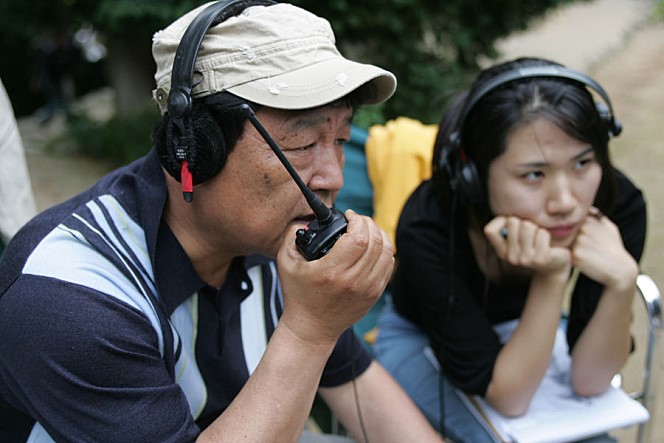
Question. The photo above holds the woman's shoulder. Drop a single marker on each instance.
(423, 203)
(423, 211)
(625, 183)
(630, 199)
(425, 222)
(630, 215)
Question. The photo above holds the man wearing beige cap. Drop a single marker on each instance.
(170, 301)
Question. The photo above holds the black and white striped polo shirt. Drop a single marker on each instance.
(106, 331)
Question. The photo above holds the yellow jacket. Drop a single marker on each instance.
(398, 159)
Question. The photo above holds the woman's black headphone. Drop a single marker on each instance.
(192, 147)
(462, 172)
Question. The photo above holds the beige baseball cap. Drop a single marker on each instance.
(279, 56)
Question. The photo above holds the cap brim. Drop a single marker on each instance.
(318, 84)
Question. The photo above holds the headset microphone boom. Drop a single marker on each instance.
(320, 235)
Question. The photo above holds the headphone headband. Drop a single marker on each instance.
(462, 172)
(543, 72)
(179, 97)
(192, 156)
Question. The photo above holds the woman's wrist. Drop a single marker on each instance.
(551, 283)
(624, 276)
(555, 277)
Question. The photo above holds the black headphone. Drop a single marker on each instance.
(192, 146)
(462, 172)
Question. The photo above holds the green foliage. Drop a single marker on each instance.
(21, 18)
(658, 14)
(143, 17)
(121, 139)
(431, 46)
(24, 24)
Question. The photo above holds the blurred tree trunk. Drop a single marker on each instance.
(131, 72)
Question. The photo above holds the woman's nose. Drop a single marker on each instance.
(561, 197)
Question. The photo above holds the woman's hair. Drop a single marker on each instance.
(483, 134)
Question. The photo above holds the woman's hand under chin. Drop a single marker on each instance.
(522, 243)
(599, 253)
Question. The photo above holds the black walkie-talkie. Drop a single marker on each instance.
(320, 235)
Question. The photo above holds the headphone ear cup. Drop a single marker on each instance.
(208, 149)
(461, 171)
(468, 182)
(164, 143)
(613, 126)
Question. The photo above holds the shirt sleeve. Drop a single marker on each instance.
(87, 366)
(433, 287)
(348, 360)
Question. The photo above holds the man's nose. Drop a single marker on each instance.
(328, 175)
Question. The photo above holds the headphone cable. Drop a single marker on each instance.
(447, 308)
(355, 392)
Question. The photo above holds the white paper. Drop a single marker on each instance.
(556, 414)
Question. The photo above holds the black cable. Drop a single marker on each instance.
(447, 309)
(355, 393)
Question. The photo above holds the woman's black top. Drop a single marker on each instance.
(438, 285)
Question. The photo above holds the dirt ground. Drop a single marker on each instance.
(634, 78)
(632, 74)
(611, 41)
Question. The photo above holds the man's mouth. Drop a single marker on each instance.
(305, 219)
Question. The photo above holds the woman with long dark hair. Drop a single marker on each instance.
(523, 205)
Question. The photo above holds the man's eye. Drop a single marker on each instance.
(300, 148)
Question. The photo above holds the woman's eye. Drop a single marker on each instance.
(340, 141)
(583, 162)
(533, 175)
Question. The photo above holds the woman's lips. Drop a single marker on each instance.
(559, 232)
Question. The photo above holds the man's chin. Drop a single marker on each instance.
(289, 236)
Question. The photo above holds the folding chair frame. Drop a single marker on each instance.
(651, 297)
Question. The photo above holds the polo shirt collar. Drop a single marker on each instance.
(176, 279)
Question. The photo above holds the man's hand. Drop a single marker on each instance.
(324, 297)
